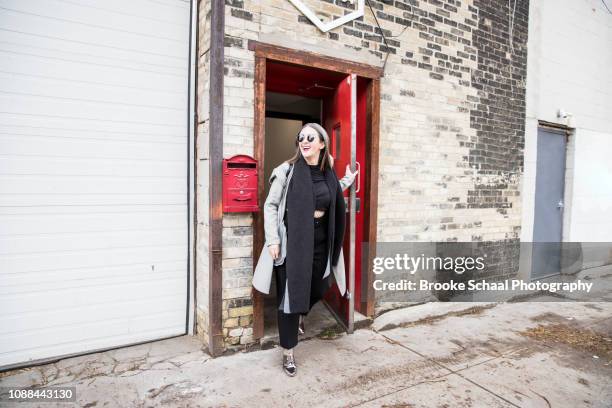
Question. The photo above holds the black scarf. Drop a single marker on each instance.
(300, 236)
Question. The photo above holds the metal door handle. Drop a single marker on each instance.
(358, 176)
(560, 204)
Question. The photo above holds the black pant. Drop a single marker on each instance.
(288, 322)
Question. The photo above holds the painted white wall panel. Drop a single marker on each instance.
(568, 65)
(93, 174)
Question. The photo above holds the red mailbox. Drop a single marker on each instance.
(240, 184)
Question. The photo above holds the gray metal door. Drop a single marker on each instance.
(548, 215)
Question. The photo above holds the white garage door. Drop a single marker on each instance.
(93, 174)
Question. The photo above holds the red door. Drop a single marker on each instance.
(341, 113)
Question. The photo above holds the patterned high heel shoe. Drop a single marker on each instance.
(289, 365)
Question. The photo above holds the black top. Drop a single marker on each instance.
(319, 186)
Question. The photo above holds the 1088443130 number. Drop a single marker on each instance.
(58, 394)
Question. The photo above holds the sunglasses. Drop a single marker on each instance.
(310, 138)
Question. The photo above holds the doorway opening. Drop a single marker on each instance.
(286, 113)
(288, 95)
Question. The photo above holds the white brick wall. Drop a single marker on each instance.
(423, 170)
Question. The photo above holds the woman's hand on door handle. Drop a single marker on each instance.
(274, 250)
(349, 178)
(350, 174)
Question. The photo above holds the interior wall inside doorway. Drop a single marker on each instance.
(293, 104)
(285, 115)
(279, 144)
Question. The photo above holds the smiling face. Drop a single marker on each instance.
(311, 144)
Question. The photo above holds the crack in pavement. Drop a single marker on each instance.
(451, 371)
(112, 367)
(469, 311)
(435, 380)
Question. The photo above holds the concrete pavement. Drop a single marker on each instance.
(536, 354)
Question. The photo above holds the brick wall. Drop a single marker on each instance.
(452, 114)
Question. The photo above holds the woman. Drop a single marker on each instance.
(304, 217)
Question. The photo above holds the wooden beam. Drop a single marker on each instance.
(215, 227)
(310, 59)
(372, 149)
(258, 218)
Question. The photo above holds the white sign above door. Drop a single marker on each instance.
(325, 27)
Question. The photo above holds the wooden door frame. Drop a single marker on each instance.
(265, 52)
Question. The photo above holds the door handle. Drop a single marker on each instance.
(358, 176)
(560, 204)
